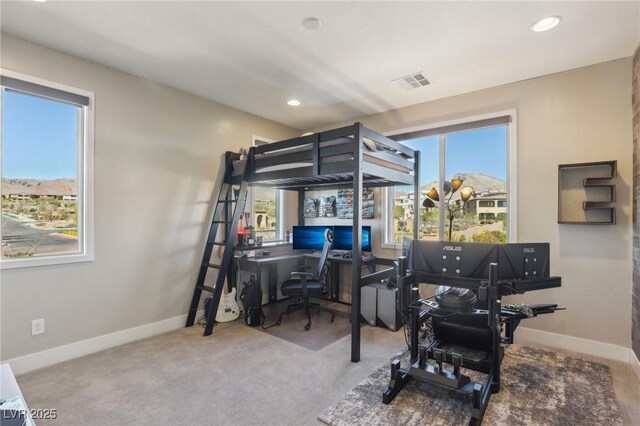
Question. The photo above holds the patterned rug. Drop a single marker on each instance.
(538, 388)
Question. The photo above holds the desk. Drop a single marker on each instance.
(260, 263)
(334, 271)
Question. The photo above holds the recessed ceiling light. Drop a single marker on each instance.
(293, 102)
(311, 23)
(546, 24)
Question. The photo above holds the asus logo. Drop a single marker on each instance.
(451, 248)
(529, 250)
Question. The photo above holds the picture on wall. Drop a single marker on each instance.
(328, 206)
(310, 207)
(344, 203)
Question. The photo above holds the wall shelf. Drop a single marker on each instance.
(586, 193)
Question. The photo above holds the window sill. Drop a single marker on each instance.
(45, 260)
(393, 246)
(266, 244)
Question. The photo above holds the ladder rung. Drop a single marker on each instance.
(221, 221)
(212, 265)
(227, 201)
(215, 243)
(206, 288)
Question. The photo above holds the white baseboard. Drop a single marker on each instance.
(635, 363)
(27, 363)
(571, 343)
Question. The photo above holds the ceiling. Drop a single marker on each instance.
(254, 56)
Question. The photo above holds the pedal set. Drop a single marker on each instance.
(451, 378)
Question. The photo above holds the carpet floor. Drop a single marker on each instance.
(238, 376)
(538, 388)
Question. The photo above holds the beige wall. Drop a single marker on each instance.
(578, 116)
(157, 152)
(157, 155)
(635, 305)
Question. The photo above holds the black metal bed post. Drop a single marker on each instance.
(494, 313)
(357, 254)
(301, 195)
(416, 193)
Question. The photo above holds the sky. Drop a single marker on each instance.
(471, 151)
(38, 137)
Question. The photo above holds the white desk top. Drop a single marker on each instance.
(9, 387)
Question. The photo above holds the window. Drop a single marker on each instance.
(46, 151)
(267, 210)
(477, 153)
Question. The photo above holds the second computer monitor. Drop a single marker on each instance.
(521, 261)
(343, 238)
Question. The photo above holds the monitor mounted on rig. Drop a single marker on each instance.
(522, 261)
(470, 260)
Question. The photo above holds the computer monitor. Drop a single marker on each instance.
(309, 237)
(343, 238)
(521, 261)
(469, 260)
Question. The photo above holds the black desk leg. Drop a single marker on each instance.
(335, 279)
(273, 283)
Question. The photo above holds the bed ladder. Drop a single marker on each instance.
(227, 210)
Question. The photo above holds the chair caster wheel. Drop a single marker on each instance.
(307, 327)
(333, 317)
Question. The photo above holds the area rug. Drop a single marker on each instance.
(538, 388)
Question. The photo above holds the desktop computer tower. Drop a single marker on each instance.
(379, 306)
(386, 308)
(368, 300)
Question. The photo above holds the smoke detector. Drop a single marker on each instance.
(412, 81)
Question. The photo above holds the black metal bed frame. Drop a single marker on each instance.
(338, 158)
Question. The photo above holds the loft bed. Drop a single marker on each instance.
(347, 157)
(326, 160)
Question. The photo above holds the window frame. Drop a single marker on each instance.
(85, 161)
(280, 207)
(512, 173)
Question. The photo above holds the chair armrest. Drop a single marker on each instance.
(302, 274)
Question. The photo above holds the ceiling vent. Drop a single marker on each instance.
(413, 81)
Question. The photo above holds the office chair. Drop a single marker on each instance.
(304, 286)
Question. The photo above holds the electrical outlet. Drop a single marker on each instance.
(37, 327)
